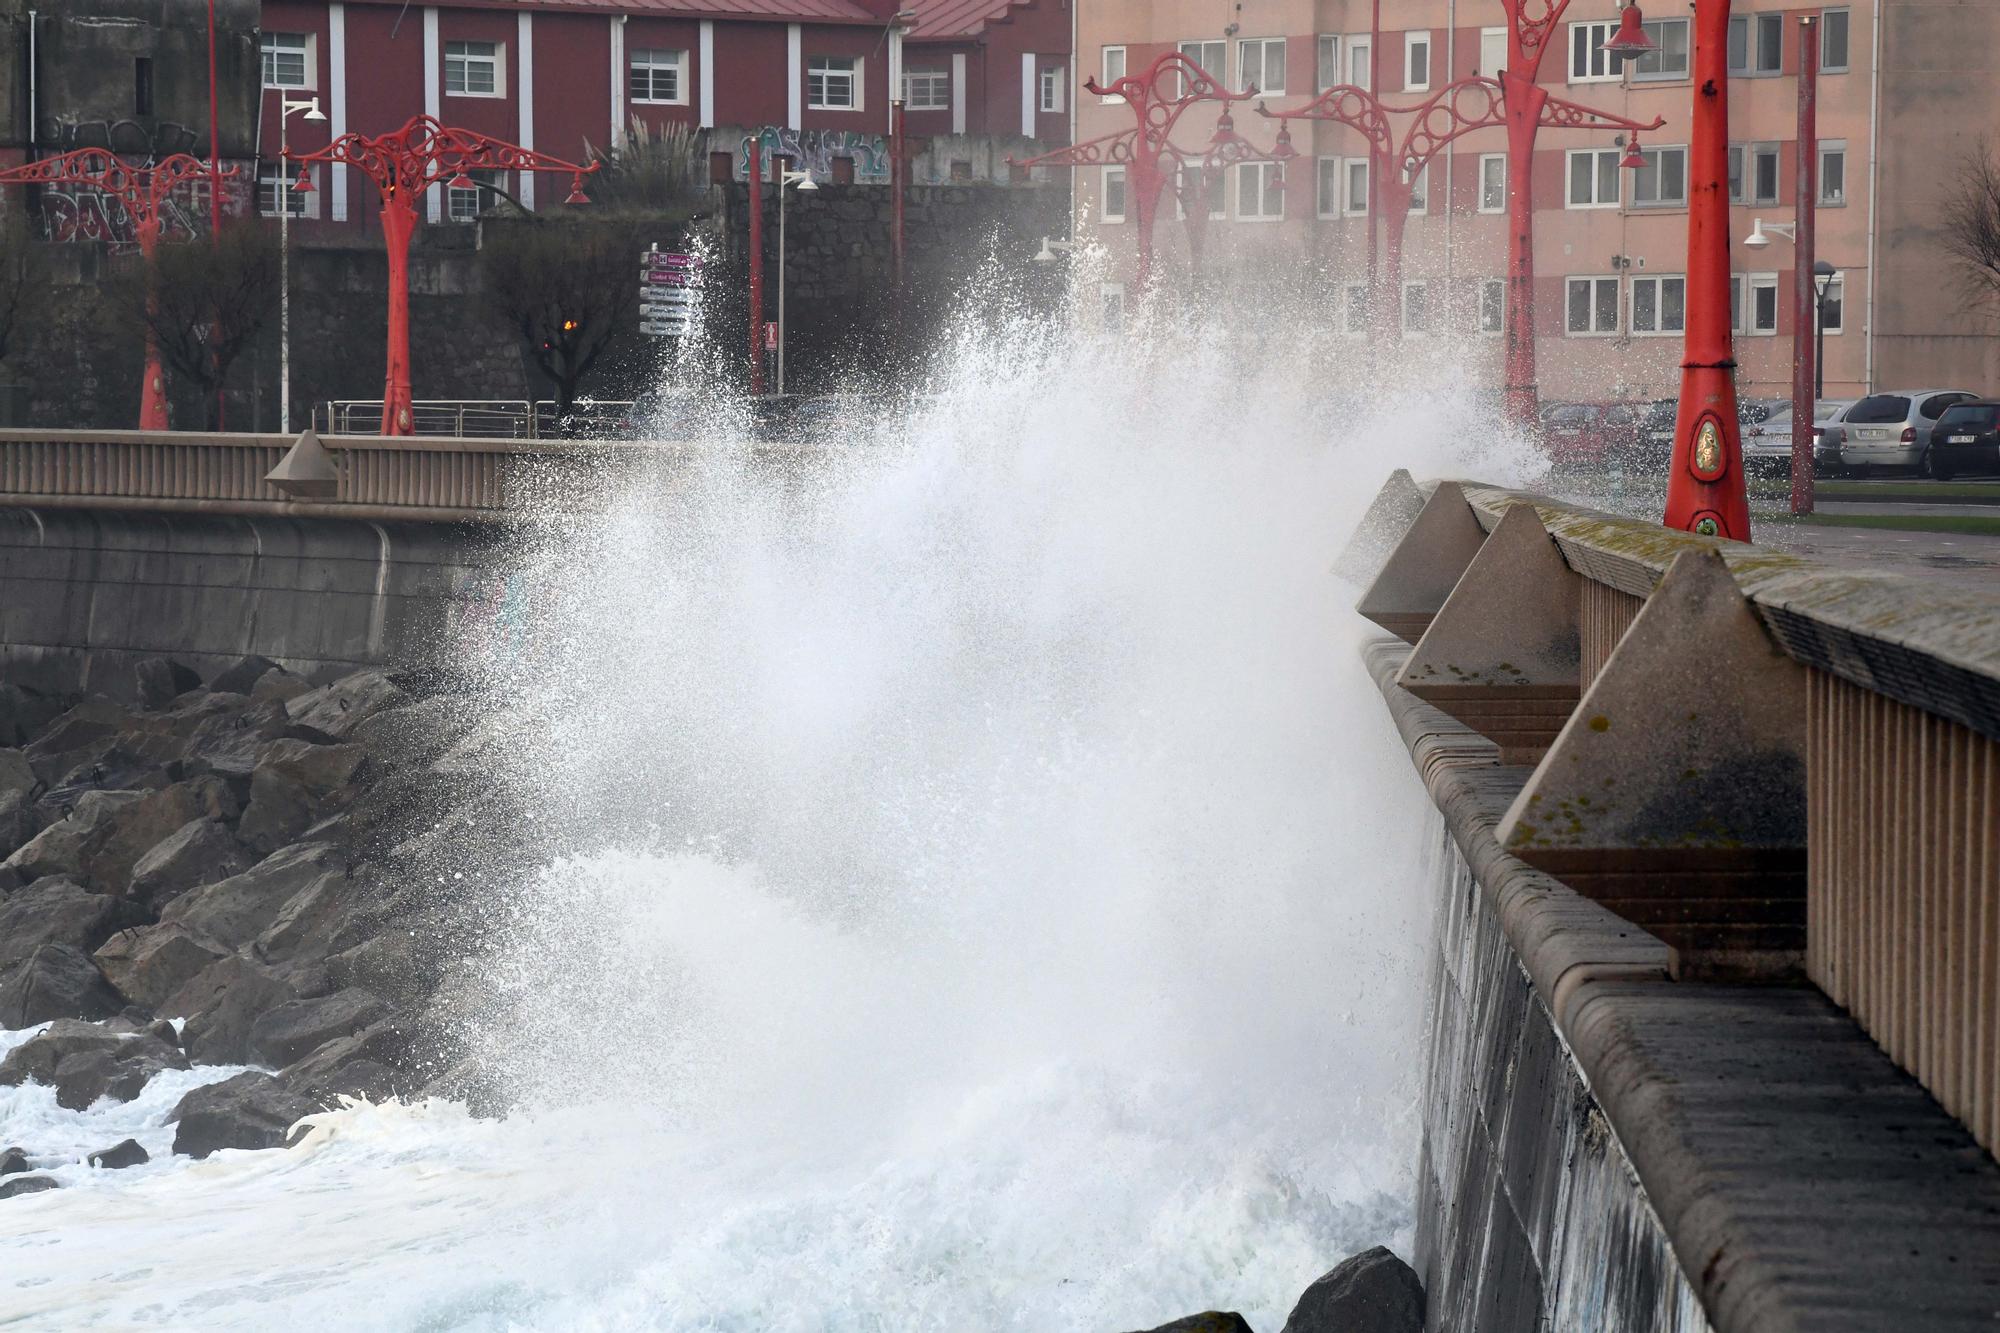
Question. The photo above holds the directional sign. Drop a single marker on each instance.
(667, 259)
(666, 328)
(669, 277)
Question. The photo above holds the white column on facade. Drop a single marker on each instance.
(795, 68)
(524, 75)
(958, 92)
(433, 98)
(1028, 91)
(336, 104)
(895, 74)
(707, 74)
(619, 75)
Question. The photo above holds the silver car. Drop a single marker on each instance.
(1767, 445)
(1894, 429)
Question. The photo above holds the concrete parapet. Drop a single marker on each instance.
(1424, 567)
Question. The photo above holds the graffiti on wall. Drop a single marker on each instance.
(133, 140)
(815, 151)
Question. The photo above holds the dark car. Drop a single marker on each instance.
(1585, 436)
(1966, 439)
(1652, 446)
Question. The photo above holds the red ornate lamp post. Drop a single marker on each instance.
(403, 165)
(141, 190)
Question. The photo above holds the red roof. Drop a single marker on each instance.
(777, 11)
(941, 20)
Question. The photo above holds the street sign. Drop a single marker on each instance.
(666, 296)
(669, 283)
(664, 328)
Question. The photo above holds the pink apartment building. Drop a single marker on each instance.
(1903, 99)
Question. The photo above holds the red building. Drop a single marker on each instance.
(562, 76)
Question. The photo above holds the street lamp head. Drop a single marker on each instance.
(576, 195)
(1630, 41)
(1633, 159)
(1822, 269)
(461, 182)
(1757, 239)
(808, 183)
(1045, 255)
(304, 184)
(313, 113)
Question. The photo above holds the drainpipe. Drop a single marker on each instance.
(1450, 157)
(1874, 183)
(34, 86)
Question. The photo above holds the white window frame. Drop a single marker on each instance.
(466, 205)
(1658, 282)
(1263, 46)
(826, 70)
(1658, 154)
(1752, 284)
(1846, 40)
(1598, 65)
(1263, 171)
(1597, 282)
(1656, 29)
(1838, 283)
(1326, 55)
(1570, 159)
(650, 59)
(270, 44)
(1487, 36)
(1496, 288)
(1201, 48)
(1420, 288)
(1758, 62)
(1339, 173)
(935, 85)
(470, 54)
(1105, 74)
(1218, 202)
(271, 174)
(1831, 148)
(1490, 160)
(1753, 153)
(1049, 83)
(1104, 178)
(1420, 190)
(1354, 313)
(1360, 48)
(1354, 201)
(1414, 41)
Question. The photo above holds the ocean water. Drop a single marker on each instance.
(979, 889)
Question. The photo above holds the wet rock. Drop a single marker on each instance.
(415, 734)
(12, 1162)
(57, 910)
(234, 911)
(280, 687)
(472, 1085)
(227, 738)
(1209, 1321)
(148, 965)
(103, 838)
(320, 769)
(26, 1185)
(1371, 1292)
(25, 713)
(128, 1153)
(374, 1064)
(18, 782)
(242, 675)
(86, 1063)
(62, 847)
(18, 825)
(35, 1060)
(56, 750)
(225, 1002)
(113, 768)
(280, 810)
(56, 981)
(338, 709)
(291, 1031)
(161, 680)
(201, 851)
(251, 1110)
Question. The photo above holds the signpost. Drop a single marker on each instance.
(669, 293)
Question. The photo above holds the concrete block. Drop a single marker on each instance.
(1394, 508)
(1421, 572)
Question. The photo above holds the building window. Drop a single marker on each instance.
(1416, 307)
(1111, 303)
(472, 69)
(1756, 45)
(1492, 305)
(1659, 305)
(833, 83)
(1052, 88)
(1354, 310)
(1764, 173)
(927, 90)
(1260, 192)
(1357, 186)
(1492, 52)
(1416, 62)
(1589, 62)
(1832, 173)
(1361, 61)
(659, 76)
(1211, 189)
(466, 205)
(1833, 304)
(1327, 65)
(287, 60)
(1114, 194)
(1492, 182)
(1329, 187)
(1212, 58)
(1260, 64)
(1661, 180)
(1762, 308)
(1593, 178)
(1420, 189)
(1833, 41)
(275, 176)
(1669, 57)
(1112, 69)
(1593, 307)
(142, 86)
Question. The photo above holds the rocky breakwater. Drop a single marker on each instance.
(236, 873)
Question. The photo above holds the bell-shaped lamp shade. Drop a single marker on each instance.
(461, 182)
(576, 194)
(1630, 41)
(313, 113)
(1283, 150)
(304, 184)
(1633, 159)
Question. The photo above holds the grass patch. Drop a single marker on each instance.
(1859, 487)
(1963, 524)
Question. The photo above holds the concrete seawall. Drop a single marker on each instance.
(86, 593)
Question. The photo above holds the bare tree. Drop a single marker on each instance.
(23, 275)
(205, 301)
(1971, 224)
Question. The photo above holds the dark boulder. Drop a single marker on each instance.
(1208, 1321)
(199, 852)
(86, 1063)
(18, 783)
(280, 687)
(56, 981)
(234, 911)
(62, 847)
(91, 723)
(229, 999)
(57, 910)
(150, 964)
(374, 1064)
(296, 1029)
(25, 713)
(113, 768)
(241, 675)
(100, 841)
(280, 810)
(35, 1059)
(227, 737)
(1372, 1292)
(12, 1162)
(128, 1153)
(161, 680)
(321, 769)
(340, 708)
(251, 1110)
(25, 1185)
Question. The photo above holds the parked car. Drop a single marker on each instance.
(1767, 444)
(1966, 439)
(1894, 429)
(1586, 435)
(1652, 446)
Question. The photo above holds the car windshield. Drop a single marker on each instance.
(1781, 417)
(1879, 408)
(1981, 415)
(1825, 411)
(1752, 412)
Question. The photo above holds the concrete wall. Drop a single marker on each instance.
(83, 595)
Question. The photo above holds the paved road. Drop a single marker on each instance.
(1949, 557)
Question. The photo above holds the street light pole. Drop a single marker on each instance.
(286, 109)
(804, 180)
(1805, 309)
